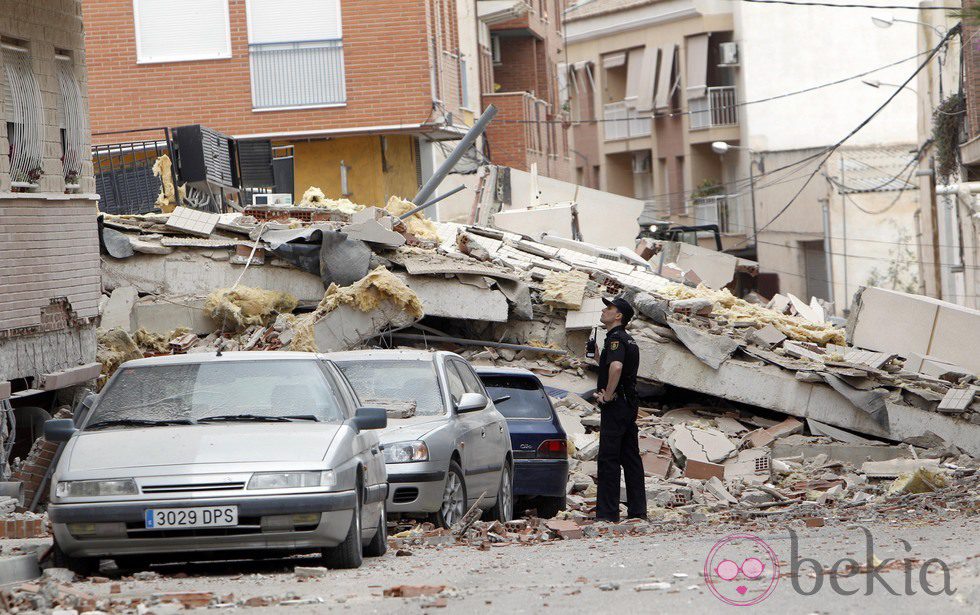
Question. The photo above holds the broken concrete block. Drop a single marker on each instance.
(70, 377)
(758, 438)
(565, 289)
(931, 366)
(373, 232)
(162, 317)
(822, 429)
(148, 247)
(345, 327)
(767, 337)
(703, 470)
(779, 303)
(804, 311)
(708, 445)
(367, 214)
(715, 487)
(450, 299)
(787, 427)
(586, 446)
(587, 316)
(712, 349)
(730, 426)
(192, 221)
(957, 400)
(119, 311)
(752, 466)
(853, 454)
(940, 329)
(310, 572)
(896, 467)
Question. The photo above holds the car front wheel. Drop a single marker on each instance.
(453, 505)
(503, 507)
(348, 554)
(379, 542)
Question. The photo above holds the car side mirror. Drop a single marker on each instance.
(471, 402)
(59, 430)
(370, 418)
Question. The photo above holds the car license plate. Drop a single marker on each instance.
(204, 516)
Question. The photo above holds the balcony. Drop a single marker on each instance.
(623, 121)
(297, 75)
(716, 109)
(720, 210)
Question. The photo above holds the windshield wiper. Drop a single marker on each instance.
(246, 417)
(137, 423)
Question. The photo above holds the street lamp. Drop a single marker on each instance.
(721, 148)
(877, 84)
(888, 21)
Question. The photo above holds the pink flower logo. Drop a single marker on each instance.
(741, 570)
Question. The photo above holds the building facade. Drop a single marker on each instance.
(720, 112)
(49, 247)
(523, 74)
(363, 92)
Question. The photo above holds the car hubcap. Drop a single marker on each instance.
(452, 500)
(507, 499)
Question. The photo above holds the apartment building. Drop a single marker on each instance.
(523, 74)
(710, 111)
(49, 247)
(367, 93)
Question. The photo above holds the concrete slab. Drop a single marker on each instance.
(119, 310)
(192, 221)
(587, 316)
(957, 400)
(346, 327)
(893, 468)
(767, 337)
(19, 568)
(373, 232)
(708, 445)
(822, 429)
(854, 454)
(715, 269)
(450, 298)
(776, 389)
(157, 316)
(69, 377)
(753, 466)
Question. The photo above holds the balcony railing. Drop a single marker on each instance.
(720, 210)
(290, 75)
(623, 121)
(717, 108)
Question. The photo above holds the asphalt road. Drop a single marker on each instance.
(600, 575)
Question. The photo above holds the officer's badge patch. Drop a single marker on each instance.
(614, 345)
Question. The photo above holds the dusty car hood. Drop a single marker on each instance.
(399, 430)
(220, 443)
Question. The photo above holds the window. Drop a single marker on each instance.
(22, 112)
(456, 388)
(71, 120)
(527, 399)
(378, 382)
(471, 384)
(181, 30)
(296, 54)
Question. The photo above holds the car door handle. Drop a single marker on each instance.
(483, 433)
(375, 451)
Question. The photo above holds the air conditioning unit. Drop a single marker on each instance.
(729, 54)
(272, 198)
(641, 163)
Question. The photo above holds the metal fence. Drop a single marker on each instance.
(124, 172)
(716, 210)
(300, 74)
(623, 121)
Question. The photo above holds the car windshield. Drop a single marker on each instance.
(397, 380)
(269, 390)
(527, 399)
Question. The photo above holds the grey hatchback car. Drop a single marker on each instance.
(446, 445)
(202, 456)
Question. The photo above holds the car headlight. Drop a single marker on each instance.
(292, 480)
(405, 452)
(95, 488)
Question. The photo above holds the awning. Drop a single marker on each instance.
(697, 66)
(498, 11)
(667, 56)
(613, 60)
(634, 73)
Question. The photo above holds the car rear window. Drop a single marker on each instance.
(192, 391)
(527, 399)
(376, 382)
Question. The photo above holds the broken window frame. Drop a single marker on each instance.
(23, 116)
(71, 120)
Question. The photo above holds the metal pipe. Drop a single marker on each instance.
(432, 202)
(828, 257)
(447, 165)
(466, 342)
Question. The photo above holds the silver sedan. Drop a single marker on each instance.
(446, 445)
(200, 455)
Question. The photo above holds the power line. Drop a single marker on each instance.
(854, 6)
(830, 150)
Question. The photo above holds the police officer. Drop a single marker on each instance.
(618, 434)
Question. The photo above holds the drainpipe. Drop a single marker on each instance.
(828, 257)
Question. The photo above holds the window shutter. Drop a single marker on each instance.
(181, 30)
(24, 116)
(697, 66)
(293, 21)
(71, 114)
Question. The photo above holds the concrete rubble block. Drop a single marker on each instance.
(587, 316)
(957, 400)
(715, 269)
(931, 327)
(450, 299)
(712, 349)
(787, 427)
(931, 366)
(192, 221)
(730, 426)
(586, 446)
(163, 316)
(803, 309)
(894, 468)
(757, 439)
(567, 529)
(119, 311)
(373, 232)
(345, 327)
(767, 337)
(709, 445)
(368, 214)
(565, 290)
(779, 303)
(822, 429)
(59, 575)
(853, 454)
(715, 487)
(753, 466)
(570, 422)
(519, 295)
(70, 377)
(310, 572)
(703, 470)
(148, 247)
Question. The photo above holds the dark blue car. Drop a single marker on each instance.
(537, 438)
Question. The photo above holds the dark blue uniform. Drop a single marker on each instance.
(619, 444)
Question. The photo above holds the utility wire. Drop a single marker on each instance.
(955, 30)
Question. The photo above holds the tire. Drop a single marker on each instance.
(379, 542)
(350, 553)
(503, 506)
(453, 505)
(81, 566)
(132, 563)
(548, 507)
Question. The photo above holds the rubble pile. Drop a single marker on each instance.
(365, 277)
